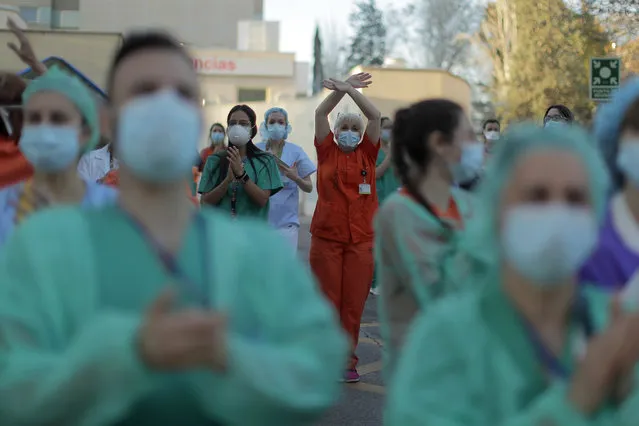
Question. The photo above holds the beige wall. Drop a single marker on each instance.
(197, 22)
(7, 12)
(273, 71)
(88, 52)
(412, 85)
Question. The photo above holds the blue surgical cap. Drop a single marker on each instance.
(58, 81)
(481, 238)
(263, 130)
(607, 125)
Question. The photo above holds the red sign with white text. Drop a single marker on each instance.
(214, 65)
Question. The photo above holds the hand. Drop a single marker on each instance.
(338, 86)
(25, 50)
(289, 172)
(235, 161)
(360, 80)
(609, 362)
(171, 341)
(230, 177)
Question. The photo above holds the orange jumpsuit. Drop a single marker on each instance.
(341, 254)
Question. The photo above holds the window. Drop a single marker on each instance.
(66, 19)
(251, 95)
(29, 14)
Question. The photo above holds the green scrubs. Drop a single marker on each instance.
(418, 262)
(469, 361)
(388, 183)
(266, 175)
(71, 318)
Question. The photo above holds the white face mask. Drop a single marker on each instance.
(491, 135)
(470, 164)
(239, 135)
(157, 136)
(50, 148)
(548, 243)
(628, 159)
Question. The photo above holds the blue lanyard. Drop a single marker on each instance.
(581, 314)
(171, 264)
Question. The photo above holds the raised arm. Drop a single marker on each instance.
(374, 126)
(351, 86)
(322, 127)
(25, 50)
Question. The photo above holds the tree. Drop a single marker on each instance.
(439, 30)
(318, 68)
(334, 49)
(368, 45)
(543, 59)
(496, 39)
(620, 18)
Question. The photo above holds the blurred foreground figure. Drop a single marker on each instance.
(528, 347)
(616, 127)
(147, 314)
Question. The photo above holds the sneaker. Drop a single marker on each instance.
(375, 291)
(351, 376)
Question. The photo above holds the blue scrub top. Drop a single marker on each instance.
(96, 195)
(284, 206)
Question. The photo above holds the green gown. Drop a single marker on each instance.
(417, 264)
(74, 286)
(267, 177)
(388, 183)
(468, 361)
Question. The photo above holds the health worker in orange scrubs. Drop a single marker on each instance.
(341, 253)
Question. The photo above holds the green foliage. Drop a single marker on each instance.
(547, 57)
(368, 45)
(318, 66)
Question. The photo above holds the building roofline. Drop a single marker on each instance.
(430, 70)
(66, 31)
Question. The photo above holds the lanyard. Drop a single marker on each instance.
(171, 264)
(581, 313)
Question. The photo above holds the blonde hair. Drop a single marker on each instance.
(348, 116)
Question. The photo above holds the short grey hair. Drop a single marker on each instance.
(348, 116)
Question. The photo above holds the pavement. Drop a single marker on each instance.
(361, 404)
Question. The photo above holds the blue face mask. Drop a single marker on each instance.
(50, 148)
(157, 135)
(555, 124)
(548, 242)
(470, 164)
(386, 135)
(276, 132)
(628, 160)
(348, 138)
(217, 138)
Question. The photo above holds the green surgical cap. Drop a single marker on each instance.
(481, 239)
(56, 80)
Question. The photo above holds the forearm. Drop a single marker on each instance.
(214, 197)
(91, 381)
(329, 103)
(370, 111)
(258, 195)
(305, 184)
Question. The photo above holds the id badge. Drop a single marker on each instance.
(364, 189)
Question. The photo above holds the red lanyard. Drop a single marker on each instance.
(171, 264)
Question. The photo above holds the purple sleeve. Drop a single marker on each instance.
(602, 270)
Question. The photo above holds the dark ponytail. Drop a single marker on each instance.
(253, 153)
(411, 130)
